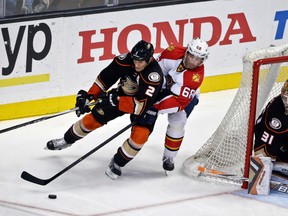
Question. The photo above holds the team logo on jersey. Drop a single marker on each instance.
(129, 86)
(100, 111)
(154, 77)
(171, 48)
(283, 149)
(196, 77)
(180, 68)
(275, 123)
(122, 56)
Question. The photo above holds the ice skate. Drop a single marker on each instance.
(57, 144)
(168, 164)
(114, 170)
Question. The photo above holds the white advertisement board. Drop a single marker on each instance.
(57, 57)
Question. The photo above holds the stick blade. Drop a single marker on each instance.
(28, 177)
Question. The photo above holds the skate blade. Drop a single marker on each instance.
(111, 175)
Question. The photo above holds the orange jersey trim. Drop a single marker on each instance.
(126, 104)
(95, 90)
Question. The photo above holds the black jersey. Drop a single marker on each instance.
(271, 130)
(141, 87)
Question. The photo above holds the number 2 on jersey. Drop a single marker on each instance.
(150, 91)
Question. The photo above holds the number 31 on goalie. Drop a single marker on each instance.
(267, 138)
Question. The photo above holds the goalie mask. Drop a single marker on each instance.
(284, 96)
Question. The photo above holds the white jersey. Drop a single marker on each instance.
(182, 83)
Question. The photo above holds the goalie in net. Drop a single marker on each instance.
(271, 129)
(270, 160)
(226, 154)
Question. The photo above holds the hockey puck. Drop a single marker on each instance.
(52, 196)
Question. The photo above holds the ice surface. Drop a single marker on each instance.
(143, 188)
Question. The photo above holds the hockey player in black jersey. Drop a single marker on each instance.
(271, 129)
(139, 79)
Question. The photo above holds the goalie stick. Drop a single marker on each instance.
(41, 119)
(279, 187)
(29, 177)
(220, 176)
(216, 172)
(274, 185)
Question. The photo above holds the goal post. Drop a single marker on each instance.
(225, 156)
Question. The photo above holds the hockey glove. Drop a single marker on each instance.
(107, 99)
(82, 102)
(148, 119)
(189, 108)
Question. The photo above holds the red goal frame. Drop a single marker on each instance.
(252, 116)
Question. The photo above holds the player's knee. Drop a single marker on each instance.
(89, 123)
(139, 135)
(177, 120)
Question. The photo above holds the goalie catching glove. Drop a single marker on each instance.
(82, 102)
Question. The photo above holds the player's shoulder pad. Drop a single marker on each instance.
(122, 56)
(152, 75)
(173, 52)
(124, 59)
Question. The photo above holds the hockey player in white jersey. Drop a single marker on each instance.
(183, 69)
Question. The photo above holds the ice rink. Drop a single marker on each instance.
(142, 190)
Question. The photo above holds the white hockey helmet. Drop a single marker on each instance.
(198, 48)
(284, 96)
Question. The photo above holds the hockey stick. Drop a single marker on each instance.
(219, 174)
(28, 177)
(214, 172)
(41, 119)
(274, 185)
(279, 187)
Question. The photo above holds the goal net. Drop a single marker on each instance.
(225, 157)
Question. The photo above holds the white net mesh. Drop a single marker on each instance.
(225, 150)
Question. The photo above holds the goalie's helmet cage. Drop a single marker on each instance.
(142, 51)
(198, 48)
(284, 96)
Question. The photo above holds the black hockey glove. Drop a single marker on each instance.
(82, 101)
(108, 99)
(148, 119)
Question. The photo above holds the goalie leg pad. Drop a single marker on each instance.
(260, 175)
(280, 170)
